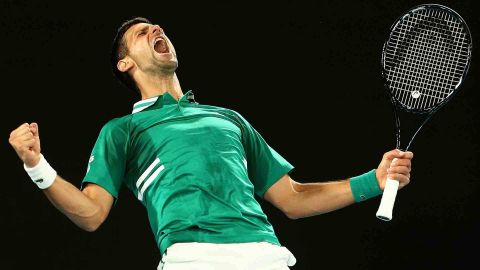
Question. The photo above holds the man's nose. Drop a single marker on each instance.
(156, 28)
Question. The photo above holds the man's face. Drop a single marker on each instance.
(150, 49)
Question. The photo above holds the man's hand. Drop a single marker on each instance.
(395, 165)
(26, 142)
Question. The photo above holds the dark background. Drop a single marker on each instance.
(306, 74)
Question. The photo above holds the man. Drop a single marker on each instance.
(194, 167)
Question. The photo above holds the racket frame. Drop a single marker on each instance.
(388, 199)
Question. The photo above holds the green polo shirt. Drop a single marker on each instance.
(194, 167)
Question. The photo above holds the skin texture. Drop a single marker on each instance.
(155, 75)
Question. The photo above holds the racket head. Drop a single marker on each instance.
(426, 57)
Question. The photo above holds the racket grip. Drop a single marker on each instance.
(388, 200)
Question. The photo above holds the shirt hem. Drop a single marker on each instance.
(168, 241)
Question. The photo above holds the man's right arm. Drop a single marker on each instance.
(88, 208)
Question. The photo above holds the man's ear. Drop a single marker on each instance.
(125, 64)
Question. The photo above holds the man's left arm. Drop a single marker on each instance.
(298, 200)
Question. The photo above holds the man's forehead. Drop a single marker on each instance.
(135, 27)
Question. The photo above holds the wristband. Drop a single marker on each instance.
(42, 174)
(365, 186)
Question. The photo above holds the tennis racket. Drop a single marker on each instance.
(424, 60)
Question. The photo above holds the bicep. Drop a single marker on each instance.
(101, 197)
(282, 192)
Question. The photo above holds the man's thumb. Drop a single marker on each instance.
(34, 129)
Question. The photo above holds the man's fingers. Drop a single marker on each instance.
(405, 179)
(25, 137)
(29, 143)
(24, 128)
(407, 155)
(399, 169)
(401, 162)
(395, 153)
(20, 141)
(390, 155)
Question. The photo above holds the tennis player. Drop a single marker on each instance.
(196, 169)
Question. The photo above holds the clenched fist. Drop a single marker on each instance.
(26, 142)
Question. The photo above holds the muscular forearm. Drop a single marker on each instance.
(75, 204)
(318, 198)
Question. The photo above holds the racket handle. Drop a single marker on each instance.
(388, 200)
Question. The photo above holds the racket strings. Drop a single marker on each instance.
(420, 55)
(425, 58)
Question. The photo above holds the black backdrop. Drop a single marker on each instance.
(306, 74)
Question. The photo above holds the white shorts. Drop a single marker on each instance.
(236, 256)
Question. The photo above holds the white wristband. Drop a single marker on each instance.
(42, 174)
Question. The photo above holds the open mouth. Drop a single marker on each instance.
(160, 45)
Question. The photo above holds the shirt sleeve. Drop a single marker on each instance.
(265, 166)
(106, 166)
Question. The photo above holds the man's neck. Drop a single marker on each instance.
(158, 85)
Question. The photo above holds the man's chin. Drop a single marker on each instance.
(168, 66)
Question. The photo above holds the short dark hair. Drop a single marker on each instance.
(120, 50)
